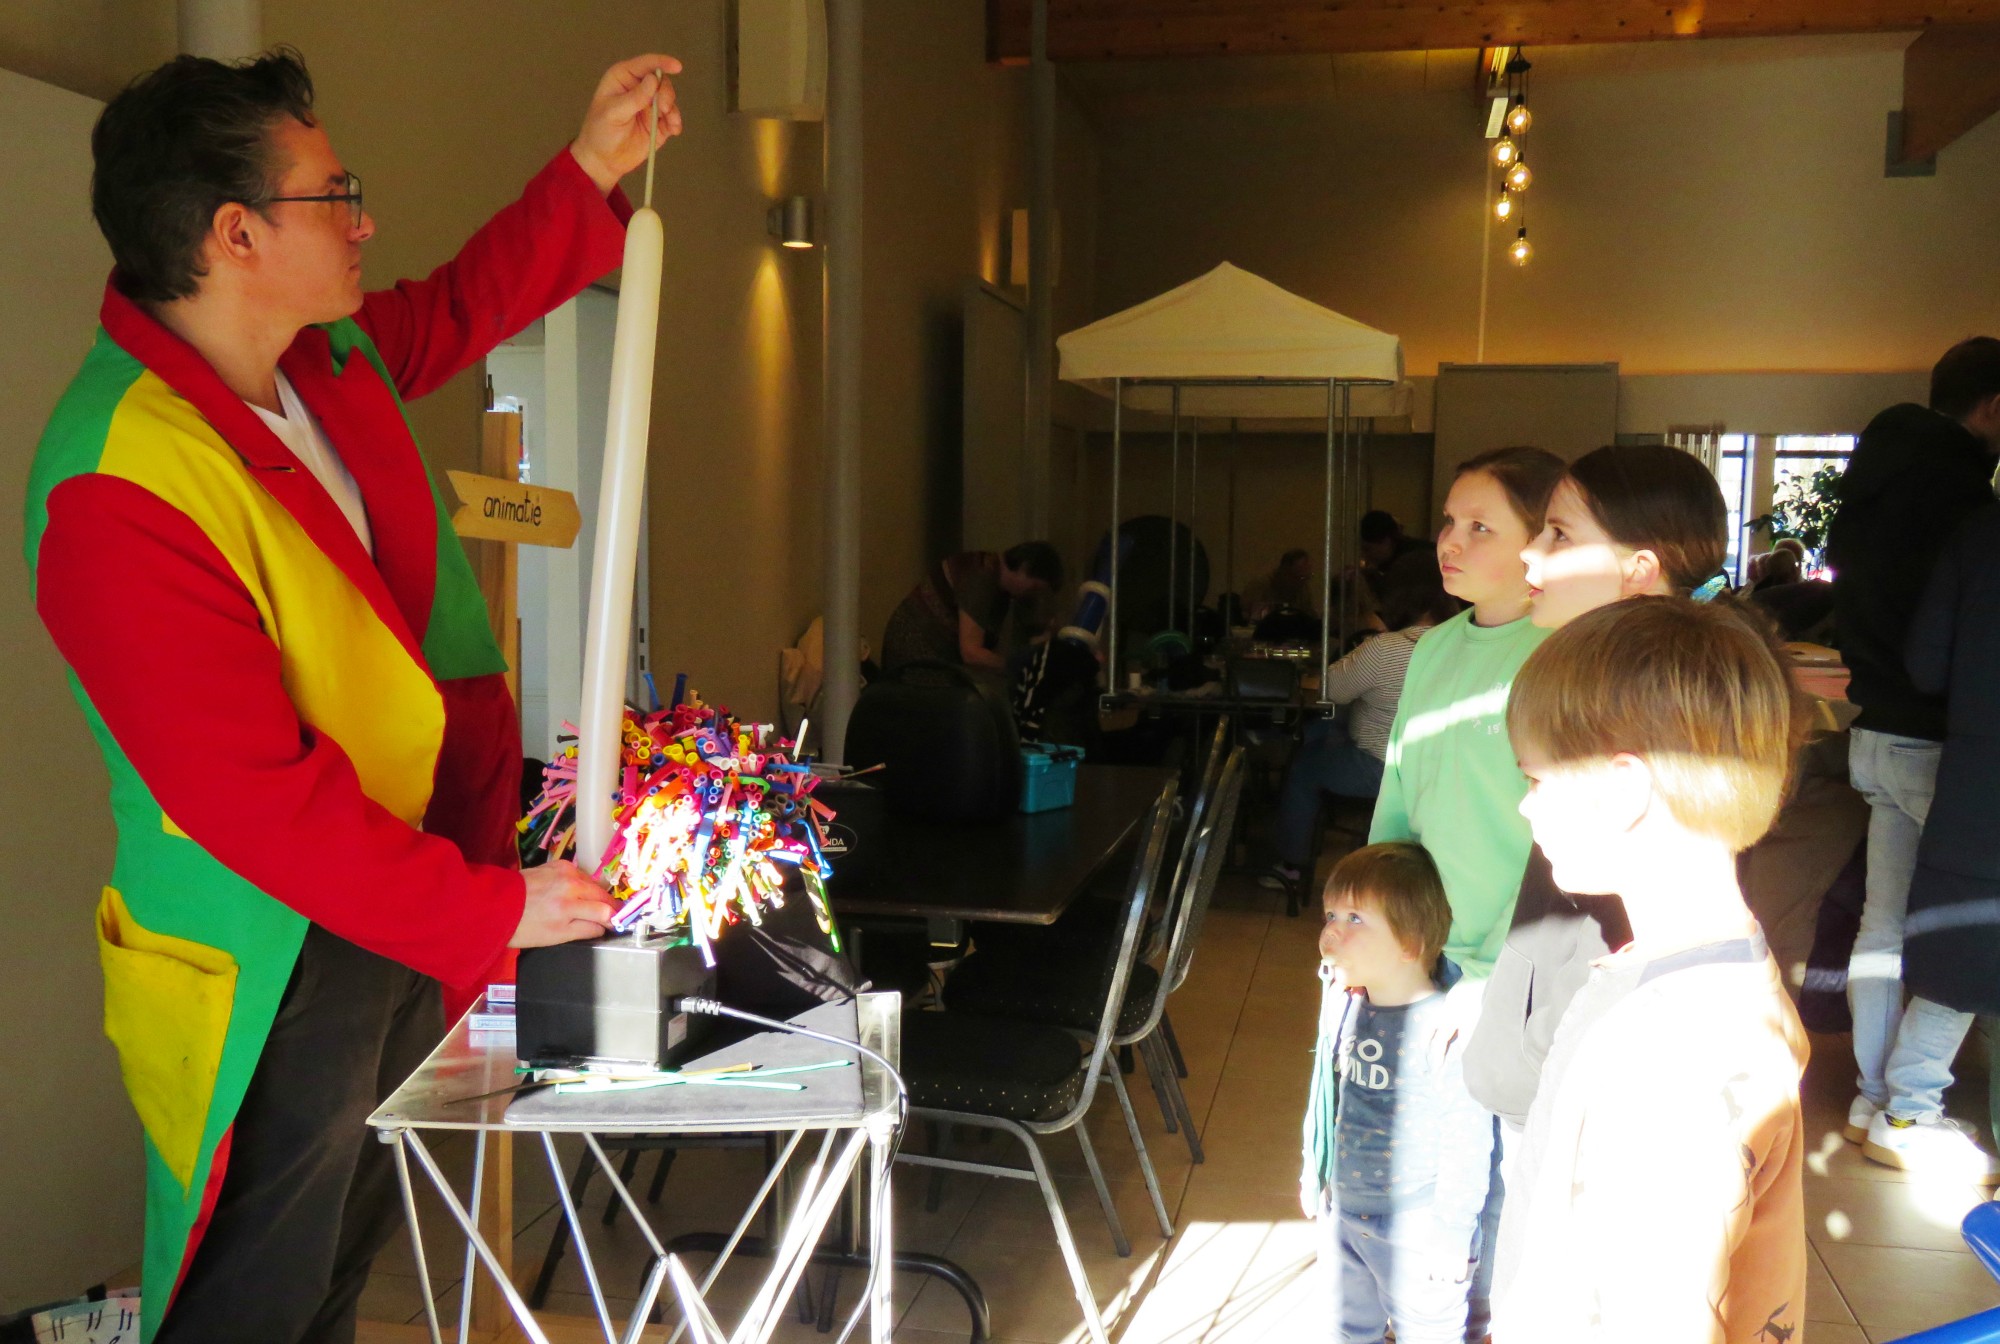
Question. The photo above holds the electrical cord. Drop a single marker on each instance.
(711, 1008)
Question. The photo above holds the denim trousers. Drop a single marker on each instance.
(1377, 1272)
(1904, 1055)
(1327, 761)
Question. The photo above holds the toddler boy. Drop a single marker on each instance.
(1657, 1195)
(1398, 1156)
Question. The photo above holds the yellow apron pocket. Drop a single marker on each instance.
(166, 1008)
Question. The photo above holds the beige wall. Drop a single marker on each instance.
(1708, 207)
(946, 165)
(71, 1174)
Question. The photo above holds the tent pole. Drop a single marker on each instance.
(1350, 504)
(1194, 512)
(1174, 512)
(1112, 671)
(1326, 550)
(1230, 560)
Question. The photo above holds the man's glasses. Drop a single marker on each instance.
(352, 196)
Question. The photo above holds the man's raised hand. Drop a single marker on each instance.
(614, 138)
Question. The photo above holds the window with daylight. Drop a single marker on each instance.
(1752, 470)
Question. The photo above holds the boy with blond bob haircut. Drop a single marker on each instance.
(1398, 1156)
(1657, 1195)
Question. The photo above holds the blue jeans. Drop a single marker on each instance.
(1904, 1057)
(1327, 761)
(1375, 1269)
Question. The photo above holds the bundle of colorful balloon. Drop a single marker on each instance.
(709, 814)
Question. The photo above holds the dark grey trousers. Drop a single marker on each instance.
(310, 1195)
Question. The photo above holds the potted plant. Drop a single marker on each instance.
(1804, 507)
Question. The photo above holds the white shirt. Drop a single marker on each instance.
(301, 433)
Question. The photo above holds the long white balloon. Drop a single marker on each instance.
(614, 557)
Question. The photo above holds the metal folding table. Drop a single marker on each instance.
(440, 1096)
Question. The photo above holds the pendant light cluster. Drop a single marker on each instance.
(1508, 155)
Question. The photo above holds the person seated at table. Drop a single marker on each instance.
(1383, 545)
(1343, 755)
(977, 608)
(1776, 569)
(1288, 588)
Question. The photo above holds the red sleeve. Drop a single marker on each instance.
(476, 794)
(168, 646)
(533, 256)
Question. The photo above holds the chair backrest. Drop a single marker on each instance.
(1214, 853)
(1147, 865)
(1175, 892)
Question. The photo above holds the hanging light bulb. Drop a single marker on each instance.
(1520, 250)
(1504, 207)
(1518, 177)
(1519, 118)
(1505, 151)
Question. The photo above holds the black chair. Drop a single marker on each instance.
(1058, 992)
(1031, 1079)
(1345, 815)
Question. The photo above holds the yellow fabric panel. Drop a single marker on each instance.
(167, 825)
(346, 671)
(166, 1007)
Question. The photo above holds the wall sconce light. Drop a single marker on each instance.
(790, 221)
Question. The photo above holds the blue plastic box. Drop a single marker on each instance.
(1048, 776)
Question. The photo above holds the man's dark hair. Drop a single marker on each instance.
(1414, 591)
(1038, 560)
(1968, 374)
(178, 144)
(1379, 525)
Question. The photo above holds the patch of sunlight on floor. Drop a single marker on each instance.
(1232, 1281)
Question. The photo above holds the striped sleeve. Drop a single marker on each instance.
(1381, 661)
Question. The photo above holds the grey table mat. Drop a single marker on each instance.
(830, 1094)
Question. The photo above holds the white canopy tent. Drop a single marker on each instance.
(1234, 346)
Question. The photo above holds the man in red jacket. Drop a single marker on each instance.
(280, 647)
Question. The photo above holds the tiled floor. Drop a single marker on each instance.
(1887, 1257)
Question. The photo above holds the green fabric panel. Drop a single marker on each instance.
(173, 886)
(73, 442)
(458, 641)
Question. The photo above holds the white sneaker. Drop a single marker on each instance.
(1860, 1115)
(1940, 1147)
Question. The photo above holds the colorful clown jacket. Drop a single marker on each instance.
(296, 732)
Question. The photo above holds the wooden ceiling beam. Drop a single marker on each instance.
(1113, 29)
(1951, 83)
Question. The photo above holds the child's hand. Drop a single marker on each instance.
(1308, 1198)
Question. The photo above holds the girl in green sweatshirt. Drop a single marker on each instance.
(1449, 780)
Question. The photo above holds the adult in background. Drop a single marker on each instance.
(1951, 952)
(1383, 544)
(1288, 587)
(978, 608)
(282, 650)
(1342, 755)
(1916, 475)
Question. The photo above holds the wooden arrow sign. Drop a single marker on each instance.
(494, 509)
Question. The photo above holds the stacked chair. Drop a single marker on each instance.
(1033, 1079)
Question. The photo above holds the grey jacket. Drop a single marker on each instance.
(1550, 944)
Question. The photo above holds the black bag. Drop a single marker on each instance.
(853, 845)
(945, 739)
(782, 967)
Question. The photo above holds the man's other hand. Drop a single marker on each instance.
(563, 905)
(614, 138)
